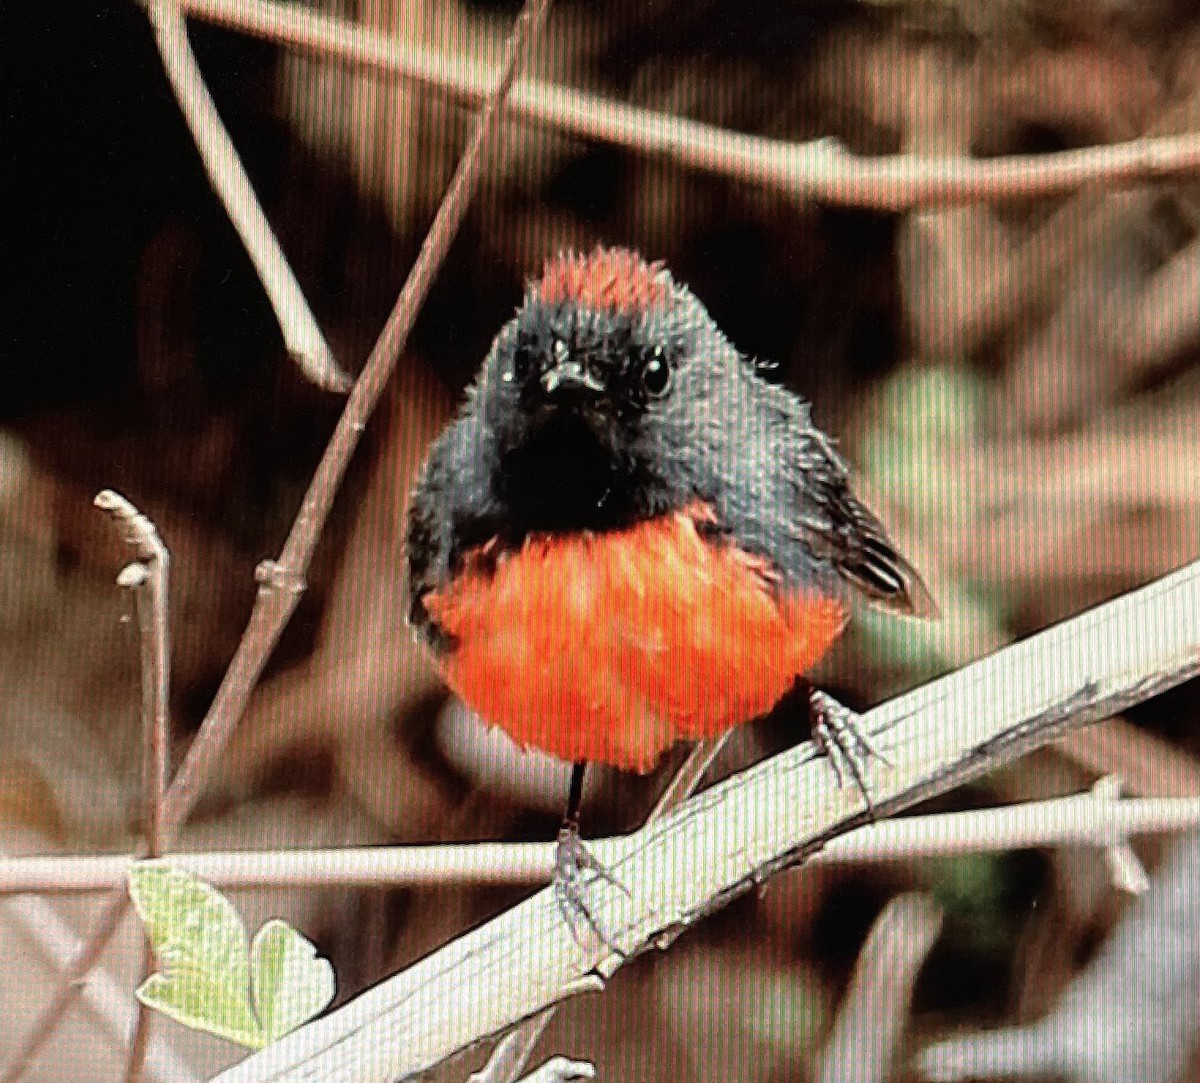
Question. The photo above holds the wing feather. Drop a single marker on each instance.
(838, 527)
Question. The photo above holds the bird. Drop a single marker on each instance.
(629, 537)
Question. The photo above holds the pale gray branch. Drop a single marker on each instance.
(513, 1051)
(511, 1055)
(1131, 1014)
(1086, 819)
(735, 835)
(282, 580)
(562, 1070)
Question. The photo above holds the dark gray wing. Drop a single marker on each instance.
(837, 527)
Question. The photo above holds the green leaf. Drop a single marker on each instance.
(199, 1003)
(201, 945)
(207, 971)
(291, 984)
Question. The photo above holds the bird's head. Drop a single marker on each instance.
(602, 388)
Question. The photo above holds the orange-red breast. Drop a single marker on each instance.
(628, 537)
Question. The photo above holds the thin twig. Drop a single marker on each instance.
(824, 170)
(149, 579)
(301, 334)
(562, 1070)
(1087, 819)
(684, 782)
(75, 971)
(738, 833)
(513, 1051)
(108, 1002)
(865, 1037)
(282, 581)
(135, 1060)
(1130, 1013)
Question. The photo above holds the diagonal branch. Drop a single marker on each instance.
(824, 171)
(282, 581)
(735, 835)
(107, 1001)
(301, 334)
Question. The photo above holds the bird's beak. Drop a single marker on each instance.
(570, 379)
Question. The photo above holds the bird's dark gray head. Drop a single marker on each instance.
(599, 391)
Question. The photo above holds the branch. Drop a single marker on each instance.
(282, 581)
(301, 334)
(866, 1033)
(148, 578)
(513, 1051)
(107, 1001)
(562, 1070)
(824, 171)
(735, 835)
(1088, 819)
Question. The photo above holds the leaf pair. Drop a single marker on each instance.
(209, 981)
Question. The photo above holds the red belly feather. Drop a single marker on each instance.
(610, 647)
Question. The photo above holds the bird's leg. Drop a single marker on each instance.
(575, 866)
(837, 732)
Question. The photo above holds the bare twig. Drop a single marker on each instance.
(149, 579)
(1125, 868)
(513, 1051)
(823, 170)
(870, 1022)
(684, 782)
(107, 1001)
(75, 970)
(1087, 819)
(282, 581)
(135, 1060)
(301, 334)
(741, 831)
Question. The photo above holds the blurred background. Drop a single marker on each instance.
(1017, 386)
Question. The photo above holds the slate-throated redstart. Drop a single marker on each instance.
(628, 537)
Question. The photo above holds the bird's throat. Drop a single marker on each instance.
(564, 477)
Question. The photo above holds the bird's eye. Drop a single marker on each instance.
(656, 372)
(522, 362)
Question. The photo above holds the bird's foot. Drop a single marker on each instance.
(575, 869)
(839, 735)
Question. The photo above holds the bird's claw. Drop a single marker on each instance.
(576, 867)
(837, 732)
